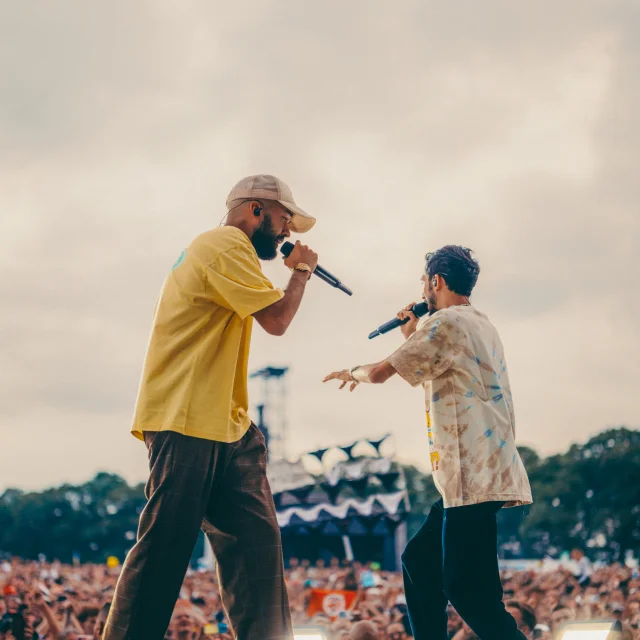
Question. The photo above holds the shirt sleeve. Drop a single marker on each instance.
(431, 351)
(235, 281)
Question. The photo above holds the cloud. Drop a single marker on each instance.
(511, 130)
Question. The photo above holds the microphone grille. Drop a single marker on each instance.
(286, 249)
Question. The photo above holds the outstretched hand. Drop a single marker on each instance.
(345, 377)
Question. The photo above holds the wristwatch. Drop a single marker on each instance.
(301, 266)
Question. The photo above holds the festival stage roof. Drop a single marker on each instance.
(366, 493)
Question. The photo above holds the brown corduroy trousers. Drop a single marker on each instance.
(223, 489)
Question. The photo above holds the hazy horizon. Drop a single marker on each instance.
(311, 464)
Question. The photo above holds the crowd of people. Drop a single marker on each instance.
(54, 601)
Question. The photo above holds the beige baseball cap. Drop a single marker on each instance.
(272, 188)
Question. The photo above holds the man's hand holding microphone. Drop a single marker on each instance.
(301, 257)
(276, 318)
(409, 328)
(287, 249)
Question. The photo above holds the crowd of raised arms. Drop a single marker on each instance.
(58, 601)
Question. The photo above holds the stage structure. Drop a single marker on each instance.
(356, 508)
(272, 411)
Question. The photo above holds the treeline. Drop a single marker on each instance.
(588, 497)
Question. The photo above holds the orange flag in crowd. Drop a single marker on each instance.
(331, 603)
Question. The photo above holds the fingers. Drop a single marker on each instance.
(301, 253)
(406, 312)
(343, 375)
(344, 378)
(409, 310)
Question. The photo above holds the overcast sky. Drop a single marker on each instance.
(508, 127)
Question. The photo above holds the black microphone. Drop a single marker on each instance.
(323, 274)
(419, 310)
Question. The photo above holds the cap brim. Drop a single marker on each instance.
(301, 221)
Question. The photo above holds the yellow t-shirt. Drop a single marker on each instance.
(194, 379)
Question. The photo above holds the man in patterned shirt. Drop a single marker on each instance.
(456, 354)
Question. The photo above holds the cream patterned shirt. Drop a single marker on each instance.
(457, 355)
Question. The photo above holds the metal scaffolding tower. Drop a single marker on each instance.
(272, 411)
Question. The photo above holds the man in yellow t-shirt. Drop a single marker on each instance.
(207, 459)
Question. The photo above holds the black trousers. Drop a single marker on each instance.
(454, 558)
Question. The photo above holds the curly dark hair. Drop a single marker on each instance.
(456, 265)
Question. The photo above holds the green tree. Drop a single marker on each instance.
(587, 497)
(422, 494)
